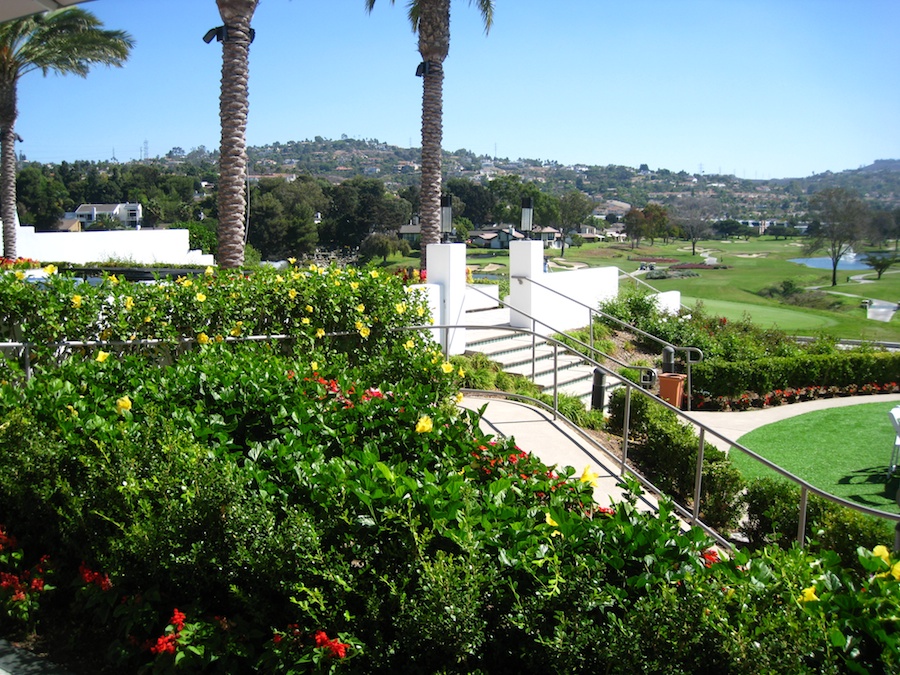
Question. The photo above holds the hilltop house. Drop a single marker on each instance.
(497, 238)
(130, 215)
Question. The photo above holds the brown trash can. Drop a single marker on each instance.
(671, 388)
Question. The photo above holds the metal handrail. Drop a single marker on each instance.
(704, 430)
(627, 326)
(630, 387)
(646, 369)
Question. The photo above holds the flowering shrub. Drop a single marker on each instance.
(296, 507)
(20, 587)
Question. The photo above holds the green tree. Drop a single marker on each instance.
(880, 263)
(635, 223)
(41, 198)
(694, 216)
(235, 36)
(842, 217)
(430, 20)
(575, 208)
(378, 245)
(67, 41)
(656, 221)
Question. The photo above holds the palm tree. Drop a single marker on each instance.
(235, 36)
(64, 41)
(431, 21)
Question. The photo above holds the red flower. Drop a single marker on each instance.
(177, 620)
(277, 638)
(710, 557)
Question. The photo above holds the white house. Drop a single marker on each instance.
(130, 215)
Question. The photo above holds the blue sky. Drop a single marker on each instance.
(757, 88)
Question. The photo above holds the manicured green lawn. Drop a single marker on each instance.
(844, 451)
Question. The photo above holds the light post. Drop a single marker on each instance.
(446, 217)
(527, 214)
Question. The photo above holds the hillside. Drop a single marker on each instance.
(337, 160)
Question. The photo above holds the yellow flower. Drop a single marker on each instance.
(447, 367)
(20, 275)
(313, 268)
(201, 297)
(219, 338)
(320, 332)
(365, 331)
(123, 404)
(309, 308)
(188, 283)
(114, 280)
(400, 307)
(409, 344)
(337, 282)
(549, 520)
(420, 311)
(809, 594)
(424, 425)
(102, 356)
(882, 552)
(354, 285)
(148, 319)
(238, 327)
(50, 269)
(292, 260)
(203, 338)
(360, 308)
(279, 278)
(129, 303)
(292, 293)
(461, 372)
(374, 274)
(895, 570)
(76, 301)
(459, 397)
(305, 321)
(314, 365)
(72, 411)
(589, 477)
(209, 271)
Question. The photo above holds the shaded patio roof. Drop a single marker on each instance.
(13, 9)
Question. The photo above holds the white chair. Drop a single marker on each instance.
(894, 414)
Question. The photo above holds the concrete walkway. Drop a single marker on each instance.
(733, 425)
(555, 442)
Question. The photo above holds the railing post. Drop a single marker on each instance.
(533, 346)
(555, 378)
(27, 361)
(698, 477)
(689, 384)
(591, 324)
(625, 426)
(801, 527)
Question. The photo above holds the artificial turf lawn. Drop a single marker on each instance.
(844, 451)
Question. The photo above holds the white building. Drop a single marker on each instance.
(130, 215)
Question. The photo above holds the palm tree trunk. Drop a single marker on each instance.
(432, 136)
(233, 109)
(8, 172)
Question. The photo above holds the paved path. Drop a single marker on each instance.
(733, 425)
(556, 443)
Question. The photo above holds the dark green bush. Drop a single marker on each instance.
(665, 449)
(773, 517)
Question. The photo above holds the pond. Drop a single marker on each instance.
(824, 263)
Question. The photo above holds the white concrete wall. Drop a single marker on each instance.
(447, 268)
(555, 312)
(669, 301)
(139, 246)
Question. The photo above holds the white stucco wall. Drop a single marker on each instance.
(138, 246)
(555, 312)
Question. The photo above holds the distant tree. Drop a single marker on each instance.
(66, 41)
(729, 228)
(634, 226)
(881, 227)
(575, 208)
(476, 200)
(656, 221)
(611, 218)
(842, 217)
(175, 153)
(577, 240)
(378, 245)
(880, 263)
(694, 216)
(41, 198)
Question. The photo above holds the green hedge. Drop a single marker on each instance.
(764, 375)
(665, 450)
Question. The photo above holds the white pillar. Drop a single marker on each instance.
(447, 268)
(526, 259)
